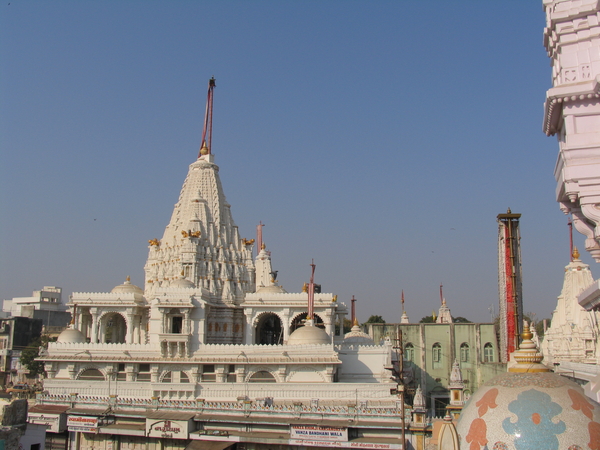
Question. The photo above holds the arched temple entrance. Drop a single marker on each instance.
(269, 330)
(114, 329)
(301, 318)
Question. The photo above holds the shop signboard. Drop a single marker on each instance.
(86, 424)
(172, 429)
(55, 423)
(318, 433)
(351, 444)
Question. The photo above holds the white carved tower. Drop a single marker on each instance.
(572, 110)
(201, 241)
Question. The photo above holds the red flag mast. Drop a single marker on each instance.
(311, 295)
(206, 145)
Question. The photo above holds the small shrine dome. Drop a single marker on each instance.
(182, 283)
(71, 335)
(274, 288)
(127, 287)
(530, 407)
(357, 336)
(309, 334)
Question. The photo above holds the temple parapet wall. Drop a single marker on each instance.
(55, 390)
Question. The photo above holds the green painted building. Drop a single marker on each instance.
(430, 350)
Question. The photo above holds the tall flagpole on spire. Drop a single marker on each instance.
(402, 301)
(441, 294)
(311, 294)
(206, 145)
(570, 223)
(259, 237)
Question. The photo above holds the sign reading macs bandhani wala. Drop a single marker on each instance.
(87, 424)
(319, 433)
(177, 429)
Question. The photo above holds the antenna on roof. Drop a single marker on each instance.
(206, 145)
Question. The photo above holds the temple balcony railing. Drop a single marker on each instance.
(357, 393)
(81, 396)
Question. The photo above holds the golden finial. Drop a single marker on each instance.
(576, 254)
(128, 278)
(355, 323)
(304, 288)
(334, 299)
(263, 246)
(528, 357)
(204, 149)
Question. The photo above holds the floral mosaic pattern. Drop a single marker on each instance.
(534, 428)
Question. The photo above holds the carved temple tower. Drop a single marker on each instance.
(202, 242)
(572, 111)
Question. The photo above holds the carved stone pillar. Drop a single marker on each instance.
(220, 374)
(94, 313)
(286, 324)
(130, 334)
(154, 374)
(248, 332)
(186, 322)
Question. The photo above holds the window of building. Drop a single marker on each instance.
(176, 324)
(167, 378)
(262, 377)
(436, 355)
(409, 352)
(437, 352)
(208, 373)
(465, 352)
(231, 377)
(91, 375)
(143, 372)
(183, 378)
(121, 375)
(488, 352)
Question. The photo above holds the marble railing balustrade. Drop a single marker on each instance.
(287, 296)
(223, 351)
(347, 402)
(91, 297)
(305, 392)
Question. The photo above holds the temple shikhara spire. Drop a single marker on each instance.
(201, 239)
(574, 332)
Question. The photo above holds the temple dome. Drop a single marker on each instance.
(356, 336)
(182, 283)
(529, 407)
(275, 288)
(309, 335)
(126, 288)
(71, 335)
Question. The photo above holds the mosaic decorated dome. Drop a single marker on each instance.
(529, 408)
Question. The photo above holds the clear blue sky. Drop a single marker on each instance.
(381, 138)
